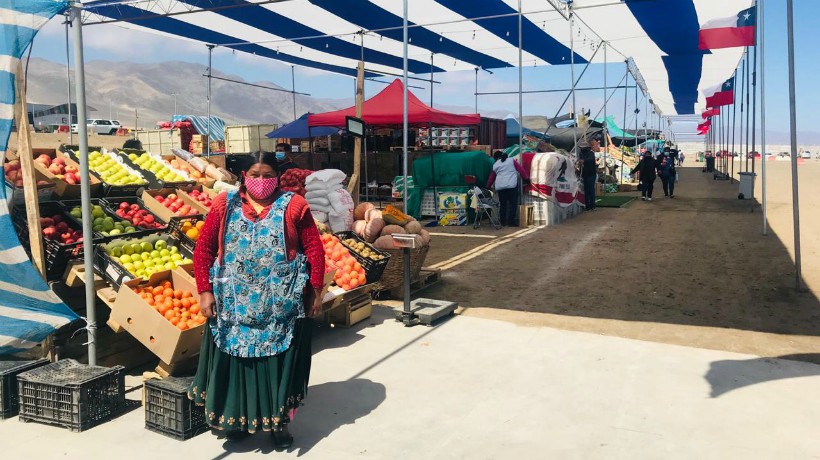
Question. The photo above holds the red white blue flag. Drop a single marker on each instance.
(723, 94)
(711, 113)
(729, 32)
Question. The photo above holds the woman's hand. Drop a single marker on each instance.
(207, 304)
(316, 307)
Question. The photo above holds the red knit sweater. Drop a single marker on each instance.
(300, 234)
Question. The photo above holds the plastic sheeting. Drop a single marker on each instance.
(29, 310)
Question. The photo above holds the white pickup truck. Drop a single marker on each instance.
(100, 126)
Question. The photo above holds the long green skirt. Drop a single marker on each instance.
(249, 394)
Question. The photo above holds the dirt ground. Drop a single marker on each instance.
(694, 270)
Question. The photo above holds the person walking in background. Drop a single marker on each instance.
(667, 172)
(646, 175)
(589, 168)
(505, 176)
(681, 157)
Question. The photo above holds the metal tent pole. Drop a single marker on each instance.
(210, 73)
(637, 110)
(623, 129)
(407, 314)
(476, 91)
(293, 88)
(760, 31)
(798, 272)
(521, 80)
(742, 111)
(734, 131)
(606, 126)
(85, 184)
(754, 110)
(746, 85)
(68, 83)
(572, 75)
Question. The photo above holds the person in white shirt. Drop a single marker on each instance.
(505, 176)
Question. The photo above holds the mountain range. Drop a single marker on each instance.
(117, 88)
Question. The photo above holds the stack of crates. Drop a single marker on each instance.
(71, 395)
(168, 410)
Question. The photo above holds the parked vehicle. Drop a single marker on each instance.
(805, 155)
(97, 126)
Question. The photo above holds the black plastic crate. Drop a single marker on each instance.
(168, 410)
(68, 205)
(9, 401)
(111, 204)
(175, 229)
(57, 254)
(373, 269)
(153, 181)
(72, 395)
(108, 189)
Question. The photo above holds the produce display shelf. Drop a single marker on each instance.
(153, 181)
(113, 272)
(57, 255)
(108, 189)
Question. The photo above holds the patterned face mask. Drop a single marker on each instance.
(261, 188)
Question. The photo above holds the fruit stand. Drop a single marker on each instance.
(147, 213)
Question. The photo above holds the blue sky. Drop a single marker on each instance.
(108, 42)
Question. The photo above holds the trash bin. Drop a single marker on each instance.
(747, 185)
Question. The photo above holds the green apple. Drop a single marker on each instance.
(174, 250)
(164, 253)
(148, 263)
(128, 249)
(115, 232)
(186, 262)
(140, 273)
(77, 212)
(125, 258)
(97, 212)
(170, 266)
(155, 254)
(135, 248)
(138, 264)
(129, 266)
(108, 225)
(166, 259)
(176, 257)
(144, 256)
(130, 229)
(160, 245)
(146, 247)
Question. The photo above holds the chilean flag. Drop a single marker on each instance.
(704, 127)
(723, 94)
(711, 113)
(729, 32)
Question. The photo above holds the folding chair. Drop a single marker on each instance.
(486, 204)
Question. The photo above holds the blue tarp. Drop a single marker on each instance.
(299, 130)
(217, 125)
(29, 310)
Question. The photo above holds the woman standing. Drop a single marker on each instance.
(505, 175)
(666, 169)
(646, 175)
(257, 252)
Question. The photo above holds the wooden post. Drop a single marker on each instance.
(25, 153)
(353, 186)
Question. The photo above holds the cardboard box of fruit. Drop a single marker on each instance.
(168, 204)
(199, 176)
(65, 173)
(163, 314)
(14, 184)
(109, 223)
(134, 211)
(124, 259)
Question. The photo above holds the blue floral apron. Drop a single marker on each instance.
(258, 291)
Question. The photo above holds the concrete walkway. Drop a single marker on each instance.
(482, 389)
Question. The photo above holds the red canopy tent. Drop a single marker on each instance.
(386, 108)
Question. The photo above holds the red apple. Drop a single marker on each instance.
(44, 159)
(124, 205)
(46, 222)
(57, 218)
(60, 161)
(135, 207)
(50, 232)
(71, 169)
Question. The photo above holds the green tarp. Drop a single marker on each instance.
(613, 129)
(444, 169)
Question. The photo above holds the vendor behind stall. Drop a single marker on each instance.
(283, 151)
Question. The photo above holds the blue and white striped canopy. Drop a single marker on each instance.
(29, 310)
(660, 36)
(214, 127)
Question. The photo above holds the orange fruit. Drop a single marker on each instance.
(177, 303)
(157, 290)
(362, 279)
(167, 284)
(168, 292)
(185, 303)
(174, 320)
(200, 224)
(169, 314)
(177, 294)
(194, 308)
(192, 233)
(187, 294)
(182, 325)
